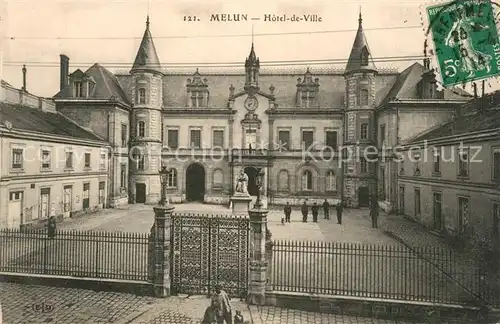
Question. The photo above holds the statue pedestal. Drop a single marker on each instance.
(241, 203)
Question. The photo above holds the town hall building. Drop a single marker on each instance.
(207, 125)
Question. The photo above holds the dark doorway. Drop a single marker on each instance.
(363, 197)
(252, 180)
(140, 193)
(195, 182)
(437, 209)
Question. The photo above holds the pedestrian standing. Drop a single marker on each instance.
(315, 210)
(374, 210)
(51, 227)
(326, 209)
(288, 212)
(225, 310)
(340, 207)
(304, 209)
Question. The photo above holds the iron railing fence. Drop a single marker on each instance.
(89, 254)
(376, 271)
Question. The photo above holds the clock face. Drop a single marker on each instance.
(251, 103)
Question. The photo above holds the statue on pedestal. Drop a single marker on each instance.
(242, 182)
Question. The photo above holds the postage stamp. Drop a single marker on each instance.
(465, 39)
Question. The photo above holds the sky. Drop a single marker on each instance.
(35, 32)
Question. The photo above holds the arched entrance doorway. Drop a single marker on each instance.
(195, 182)
(252, 180)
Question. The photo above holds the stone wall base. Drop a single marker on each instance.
(217, 199)
(371, 307)
(118, 201)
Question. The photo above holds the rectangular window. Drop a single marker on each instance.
(78, 89)
(141, 129)
(140, 163)
(382, 134)
(437, 211)
(463, 213)
(218, 138)
(45, 159)
(284, 139)
(123, 175)
(363, 165)
(364, 131)
(173, 138)
(307, 138)
(402, 200)
(417, 202)
(124, 135)
(17, 158)
(142, 96)
(496, 165)
(102, 185)
(102, 161)
(437, 160)
(195, 138)
(463, 163)
(331, 139)
(416, 159)
(69, 160)
(87, 160)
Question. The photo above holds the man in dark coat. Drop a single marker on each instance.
(326, 209)
(339, 207)
(51, 227)
(288, 212)
(304, 209)
(315, 210)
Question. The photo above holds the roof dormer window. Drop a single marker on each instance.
(78, 89)
(364, 56)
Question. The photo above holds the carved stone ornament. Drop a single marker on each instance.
(251, 103)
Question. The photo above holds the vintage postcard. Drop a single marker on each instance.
(249, 161)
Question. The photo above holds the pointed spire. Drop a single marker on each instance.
(360, 57)
(252, 59)
(147, 58)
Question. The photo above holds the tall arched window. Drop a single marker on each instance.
(141, 129)
(331, 181)
(172, 178)
(363, 97)
(283, 180)
(142, 96)
(218, 179)
(307, 183)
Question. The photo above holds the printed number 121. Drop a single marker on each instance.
(191, 18)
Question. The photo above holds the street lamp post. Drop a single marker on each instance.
(164, 181)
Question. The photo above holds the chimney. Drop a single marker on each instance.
(64, 71)
(24, 77)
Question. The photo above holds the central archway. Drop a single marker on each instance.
(195, 182)
(251, 172)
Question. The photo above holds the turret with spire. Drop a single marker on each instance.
(147, 58)
(359, 121)
(252, 67)
(146, 120)
(360, 57)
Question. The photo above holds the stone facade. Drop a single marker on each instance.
(207, 125)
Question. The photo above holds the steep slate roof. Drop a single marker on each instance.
(147, 58)
(481, 121)
(331, 86)
(35, 120)
(106, 86)
(354, 61)
(406, 85)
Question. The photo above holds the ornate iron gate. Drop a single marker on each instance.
(208, 250)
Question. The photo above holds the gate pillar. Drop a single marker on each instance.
(159, 257)
(258, 261)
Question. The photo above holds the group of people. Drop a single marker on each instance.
(315, 210)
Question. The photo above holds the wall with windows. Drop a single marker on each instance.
(35, 174)
(452, 190)
(202, 132)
